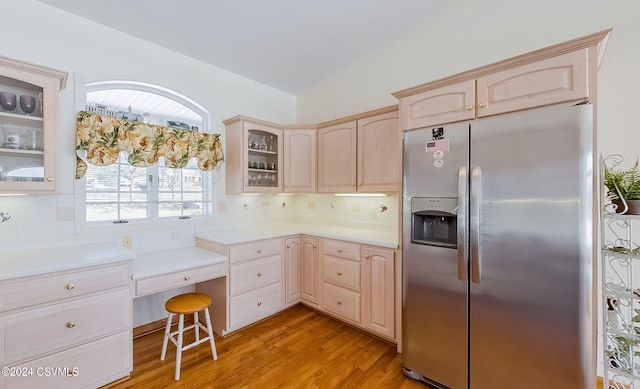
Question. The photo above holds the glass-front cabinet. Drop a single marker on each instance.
(28, 123)
(253, 156)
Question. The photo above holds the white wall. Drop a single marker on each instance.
(89, 52)
(468, 34)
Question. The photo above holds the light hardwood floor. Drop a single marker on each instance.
(298, 348)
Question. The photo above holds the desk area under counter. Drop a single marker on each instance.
(159, 271)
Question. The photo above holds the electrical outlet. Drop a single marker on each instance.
(127, 242)
(174, 235)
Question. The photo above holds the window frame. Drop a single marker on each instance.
(154, 193)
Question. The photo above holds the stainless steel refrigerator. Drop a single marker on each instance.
(497, 251)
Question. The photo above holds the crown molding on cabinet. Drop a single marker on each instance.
(598, 39)
(35, 69)
(379, 111)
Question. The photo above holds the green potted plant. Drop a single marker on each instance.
(623, 188)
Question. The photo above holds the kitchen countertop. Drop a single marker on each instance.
(235, 235)
(167, 261)
(33, 262)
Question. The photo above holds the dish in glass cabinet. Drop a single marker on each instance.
(8, 101)
(27, 104)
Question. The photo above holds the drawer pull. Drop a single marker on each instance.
(339, 302)
(258, 251)
(71, 324)
(259, 274)
(259, 303)
(339, 273)
(187, 278)
(366, 256)
(315, 246)
(288, 246)
(70, 286)
(339, 250)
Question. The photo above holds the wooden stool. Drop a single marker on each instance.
(185, 304)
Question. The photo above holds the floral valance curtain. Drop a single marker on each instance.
(104, 137)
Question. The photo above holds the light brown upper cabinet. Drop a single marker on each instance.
(551, 80)
(379, 153)
(29, 116)
(361, 155)
(253, 157)
(452, 103)
(337, 158)
(299, 160)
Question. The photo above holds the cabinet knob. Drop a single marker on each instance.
(353, 184)
(339, 302)
(187, 278)
(482, 105)
(468, 107)
(339, 273)
(288, 246)
(315, 246)
(259, 303)
(71, 324)
(259, 274)
(339, 250)
(366, 256)
(70, 286)
(49, 179)
(258, 251)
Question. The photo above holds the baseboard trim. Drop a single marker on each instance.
(158, 325)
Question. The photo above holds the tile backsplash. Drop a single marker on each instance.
(50, 220)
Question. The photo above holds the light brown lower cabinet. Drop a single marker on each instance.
(378, 290)
(302, 265)
(359, 285)
(349, 281)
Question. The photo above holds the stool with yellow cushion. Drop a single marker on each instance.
(186, 304)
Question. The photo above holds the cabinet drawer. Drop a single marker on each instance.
(343, 302)
(342, 249)
(180, 278)
(46, 329)
(35, 290)
(253, 250)
(342, 272)
(90, 365)
(255, 305)
(255, 274)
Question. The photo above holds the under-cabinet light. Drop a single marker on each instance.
(361, 194)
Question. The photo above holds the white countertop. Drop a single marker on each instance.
(167, 261)
(235, 235)
(33, 262)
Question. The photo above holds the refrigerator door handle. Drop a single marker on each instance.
(461, 221)
(474, 221)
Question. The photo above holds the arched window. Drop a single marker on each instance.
(123, 193)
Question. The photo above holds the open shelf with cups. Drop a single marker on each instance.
(620, 276)
(29, 100)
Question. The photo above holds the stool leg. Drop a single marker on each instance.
(210, 330)
(166, 337)
(197, 327)
(179, 350)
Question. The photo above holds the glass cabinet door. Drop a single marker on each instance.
(28, 118)
(263, 161)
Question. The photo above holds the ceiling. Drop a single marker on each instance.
(286, 44)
